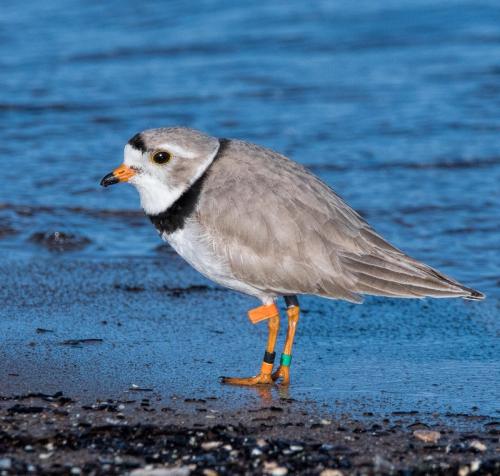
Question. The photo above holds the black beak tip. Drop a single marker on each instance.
(108, 180)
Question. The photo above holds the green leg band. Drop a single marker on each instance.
(286, 360)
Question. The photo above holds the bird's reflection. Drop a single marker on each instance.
(271, 393)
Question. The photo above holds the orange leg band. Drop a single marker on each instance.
(262, 313)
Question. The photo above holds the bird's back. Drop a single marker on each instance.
(284, 231)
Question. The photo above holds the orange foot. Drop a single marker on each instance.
(282, 372)
(264, 377)
(261, 379)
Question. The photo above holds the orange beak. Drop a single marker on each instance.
(120, 174)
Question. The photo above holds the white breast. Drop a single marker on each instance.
(194, 246)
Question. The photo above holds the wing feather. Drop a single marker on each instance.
(284, 231)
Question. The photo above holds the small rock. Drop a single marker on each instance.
(296, 448)
(256, 452)
(5, 463)
(210, 472)
(279, 471)
(325, 422)
(60, 241)
(178, 471)
(463, 470)
(475, 465)
(210, 445)
(113, 421)
(427, 436)
(273, 469)
(45, 455)
(478, 446)
(331, 472)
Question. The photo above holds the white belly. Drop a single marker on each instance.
(194, 246)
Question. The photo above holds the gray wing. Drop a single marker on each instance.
(284, 231)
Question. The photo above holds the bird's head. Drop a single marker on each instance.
(164, 163)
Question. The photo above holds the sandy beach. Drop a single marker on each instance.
(93, 383)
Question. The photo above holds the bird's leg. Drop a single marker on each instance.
(293, 312)
(256, 315)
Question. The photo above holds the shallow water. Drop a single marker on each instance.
(396, 106)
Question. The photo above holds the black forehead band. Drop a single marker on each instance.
(137, 142)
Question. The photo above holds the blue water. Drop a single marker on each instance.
(395, 104)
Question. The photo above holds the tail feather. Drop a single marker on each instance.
(474, 295)
(397, 275)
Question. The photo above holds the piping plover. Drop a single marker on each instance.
(257, 222)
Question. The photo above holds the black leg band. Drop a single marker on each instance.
(269, 357)
(291, 301)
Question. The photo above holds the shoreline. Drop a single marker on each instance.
(127, 355)
(54, 434)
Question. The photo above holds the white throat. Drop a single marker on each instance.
(155, 196)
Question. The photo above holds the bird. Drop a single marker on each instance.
(257, 222)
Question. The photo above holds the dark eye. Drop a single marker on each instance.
(161, 157)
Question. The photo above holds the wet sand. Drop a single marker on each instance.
(109, 366)
(53, 434)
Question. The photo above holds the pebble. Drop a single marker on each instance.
(113, 421)
(463, 470)
(475, 465)
(5, 463)
(210, 472)
(478, 445)
(427, 436)
(60, 241)
(178, 471)
(210, 445)
(273, 469)
(331, 472)
(279, 471)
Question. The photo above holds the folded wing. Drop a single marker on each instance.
(284, 231)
